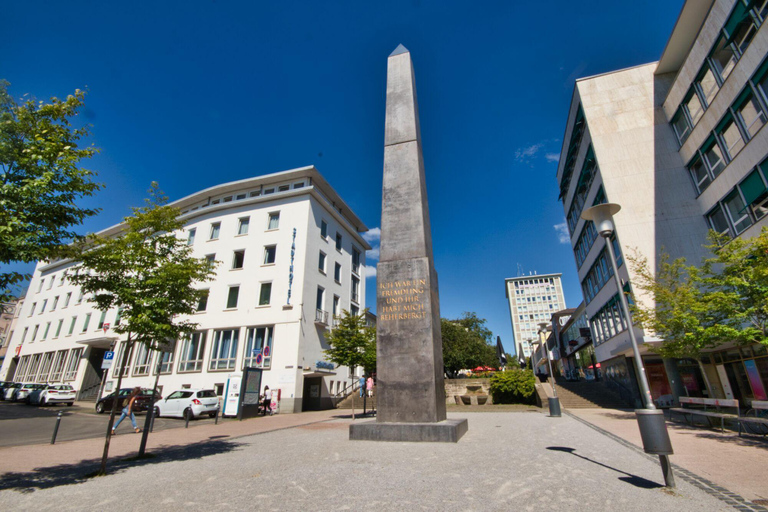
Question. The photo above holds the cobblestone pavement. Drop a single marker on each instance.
(521, 461)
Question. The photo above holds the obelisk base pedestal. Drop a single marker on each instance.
(446, 431)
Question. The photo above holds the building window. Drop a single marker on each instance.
(338, 241)
(238, 259)
(45, 332)
(321, 262)
(242, 225)
(224, 349)
(55, 303)
(57, 370)
(707, 86)
(717, 221)
(210, 259)
(118, 316)
(323, 229)
(143, 358)
(588, 172)
(274, 220)
(24, 335)
(354, 310)
(50, 283)
(737, 212)
(116, 371)
(191, 236)
(58, 328)
(265, 294)
(336, 309)
(584, 243)
(283, 188)
(355, 295)
(166, 363)
(215, 230)
(750, 113)
(320, 301)
(355, 261)
(234, 292)
(681, 124)
(67, 299)
(42, 307)
(72, 364)
(72, 325)
(728, 133)
(202, 302)
(755, 194)
(101, 319)
(192, 350)
(40, 286)
(32, 310)
(337, 272)
(87, 321)
(699, 174)
(258, 347)
(80, 297)
(270, 252)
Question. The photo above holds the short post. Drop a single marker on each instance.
(152, 423)
(56, 428)
(216, 420)
(186, 421)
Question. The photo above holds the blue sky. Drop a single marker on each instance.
(192, 94)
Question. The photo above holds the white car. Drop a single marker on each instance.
(10, 390)
(26, 388)
(54, 394)
(188, 403)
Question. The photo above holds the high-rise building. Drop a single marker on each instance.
(532, 300)
(679, 145)
(291, 259)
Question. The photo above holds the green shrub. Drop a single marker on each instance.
(513, 386)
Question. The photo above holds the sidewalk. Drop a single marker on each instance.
(23, 459)
(739, 464)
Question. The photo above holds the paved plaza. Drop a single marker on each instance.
(507, 460)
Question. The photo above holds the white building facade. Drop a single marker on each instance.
(679, 145)
(532, 299)
(290, 259)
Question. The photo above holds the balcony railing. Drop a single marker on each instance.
(321, 317)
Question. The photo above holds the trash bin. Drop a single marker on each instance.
(653, 430)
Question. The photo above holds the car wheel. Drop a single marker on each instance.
(100, 408)
(28, 400)
(70, 404)
(43, 402)
(211, 414)
(157, 412)
(188, 415)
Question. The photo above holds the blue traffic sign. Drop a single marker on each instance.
(108, 356)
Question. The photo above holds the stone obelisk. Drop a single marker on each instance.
(410, 388)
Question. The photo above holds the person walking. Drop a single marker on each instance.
(362, 385)
(128, 411)
(369, 386)
(267, 400)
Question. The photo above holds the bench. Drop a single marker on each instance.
(756, 421)
(703, 407)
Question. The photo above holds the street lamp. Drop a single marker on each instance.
(554, 401)
(653, 427)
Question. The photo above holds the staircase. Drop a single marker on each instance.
(587, 395)
(355, 398)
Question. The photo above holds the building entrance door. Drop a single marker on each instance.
(91, 383)
(311, 396)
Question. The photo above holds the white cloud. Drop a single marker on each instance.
(370, 271)
(523, 154)
(373, 254)
(372, 235)
(562, 233)
(552, 157)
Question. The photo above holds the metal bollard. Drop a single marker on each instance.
(152, 423)
(216, 421)
(186, 421)
(56, 428)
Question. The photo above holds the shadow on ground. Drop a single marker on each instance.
(635, 480)
(67, 474)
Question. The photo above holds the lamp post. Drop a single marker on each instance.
(554, 401)
(653, 427)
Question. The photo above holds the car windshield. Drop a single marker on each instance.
(206, 393)
(63, 387)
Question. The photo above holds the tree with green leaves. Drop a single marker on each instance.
(466, 344)
(352, 343)
(694, 309)
(148, 273)
(41, 181)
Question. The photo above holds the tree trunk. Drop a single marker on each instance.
(123, 363)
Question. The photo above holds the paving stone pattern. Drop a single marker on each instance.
(507, 461)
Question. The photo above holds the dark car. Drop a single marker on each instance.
(142, 403)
